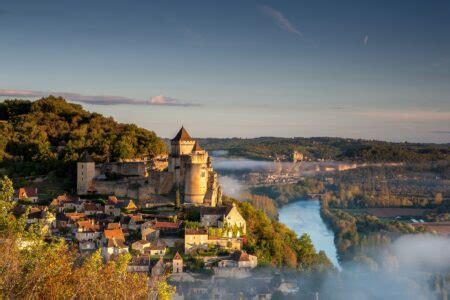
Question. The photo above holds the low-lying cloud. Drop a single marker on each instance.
(159, 100)
(402, 270)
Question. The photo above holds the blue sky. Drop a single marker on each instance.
(361, 69)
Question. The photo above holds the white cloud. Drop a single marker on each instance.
(159, 100)
(366, 39)
(281, 20)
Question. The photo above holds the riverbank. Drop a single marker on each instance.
(303, 216)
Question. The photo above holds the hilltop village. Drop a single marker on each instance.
(166, 212)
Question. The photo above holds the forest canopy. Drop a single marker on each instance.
(53, 129)
(328, 148)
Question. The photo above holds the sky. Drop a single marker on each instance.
(358, 69)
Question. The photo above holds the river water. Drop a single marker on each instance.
(303, 216)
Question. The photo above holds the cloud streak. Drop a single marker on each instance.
(159, 100)
(281, 20)
(366, 39)
(411, 115)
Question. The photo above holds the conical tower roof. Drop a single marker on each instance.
(177, 256)
(197, 147)
(182, 135)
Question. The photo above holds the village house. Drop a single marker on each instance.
(73, 218)
(112, 206)
(227, 217)
(140, 246)
(157, 248)
(148, 232)
(139, 264)
(40, 214)
(195, 239)
(168, 229)
(91, 208)
(58, 202)
(87, 230)
(237, 265)
(28, 194)
(135, 221)
(113, 243)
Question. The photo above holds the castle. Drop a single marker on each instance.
(189, 171)
(191, 168)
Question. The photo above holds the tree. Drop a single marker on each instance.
(164, 290)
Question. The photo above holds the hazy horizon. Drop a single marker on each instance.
(354, 69)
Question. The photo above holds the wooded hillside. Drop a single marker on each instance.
(53, 129)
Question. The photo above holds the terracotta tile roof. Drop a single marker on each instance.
(114, 233)
(64, 199)
(167, 225)
(75, 216)
(88, 225)
(195, 231)
(158, 245)
(182, 135)
(142, 242)
(112, 200)
(137, 217)
(25, 192)
(113, 226)
(118, 243)
(177, 256)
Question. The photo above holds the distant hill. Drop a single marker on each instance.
(329, 148)
(52, 129)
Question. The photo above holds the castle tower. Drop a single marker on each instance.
(181, 145)
(196, 178)
(85, 173)
(177, 264)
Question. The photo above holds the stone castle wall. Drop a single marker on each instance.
(85, 176)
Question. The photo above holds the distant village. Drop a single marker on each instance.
(167, 212)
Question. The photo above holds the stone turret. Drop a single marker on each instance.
(196, 180)
(181, 145)
(85, 173)
(192, 171)
(177, 263)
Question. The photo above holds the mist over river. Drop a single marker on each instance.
(303, 216)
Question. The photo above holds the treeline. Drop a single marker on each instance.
(353, 231)
(263, 203)
(282, 194)
(411, 185)
(276, 245)
(52, 129)
(330, 148)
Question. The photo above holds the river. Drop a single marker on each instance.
(304, 217)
